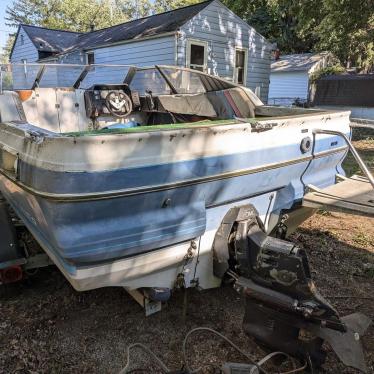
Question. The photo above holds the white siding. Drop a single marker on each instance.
(224, 31)
(147, 52)
(27, 51)
(285, 87)
(142, 53)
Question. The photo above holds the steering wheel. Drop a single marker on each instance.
(118, 103)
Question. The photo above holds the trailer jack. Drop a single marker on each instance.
(284, 311)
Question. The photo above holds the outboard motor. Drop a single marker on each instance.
(284, 311)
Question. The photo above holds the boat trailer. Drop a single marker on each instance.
(284, 310)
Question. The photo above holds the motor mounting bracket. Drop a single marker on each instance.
(284, 310)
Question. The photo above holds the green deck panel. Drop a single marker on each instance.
(165, 127)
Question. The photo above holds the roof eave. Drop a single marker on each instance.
(14, 43)
(170, 33)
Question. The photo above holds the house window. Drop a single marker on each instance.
(197, 55)
(240, 70)
(90, 58)
(22, 40)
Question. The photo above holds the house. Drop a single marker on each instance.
(290, 76)
(206, 36)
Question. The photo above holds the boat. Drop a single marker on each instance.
(149, 177)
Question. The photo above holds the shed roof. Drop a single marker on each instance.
(297, 62)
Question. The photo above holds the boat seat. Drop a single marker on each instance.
(11, 107)
(231, 103)
(55, 109)
(194, 104)
(240, 102)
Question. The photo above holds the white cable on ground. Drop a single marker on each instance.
(146, 349)
(222, 337)
(257, 365)
(271, 355)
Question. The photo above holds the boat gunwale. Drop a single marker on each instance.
(60, 197)
(239, 124)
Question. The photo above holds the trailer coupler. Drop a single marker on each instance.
(284, 311)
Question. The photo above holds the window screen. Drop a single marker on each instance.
(197, 57)
(90, 58)
(240, 66)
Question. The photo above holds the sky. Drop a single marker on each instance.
(4, 30)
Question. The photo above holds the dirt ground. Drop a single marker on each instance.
(47, 327)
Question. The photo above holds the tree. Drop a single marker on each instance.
(344, 27)
(75, 15)
(165, 5)
(4, 56)
(277, 20)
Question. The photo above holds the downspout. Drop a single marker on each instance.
(176, 48)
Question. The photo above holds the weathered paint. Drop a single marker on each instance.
(105, 228)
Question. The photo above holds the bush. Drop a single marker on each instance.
(328, 70)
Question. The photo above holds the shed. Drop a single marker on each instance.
(206, 36)
(290, 76)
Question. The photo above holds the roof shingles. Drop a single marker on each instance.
(297, 62)
(50, 40)
(60, 41)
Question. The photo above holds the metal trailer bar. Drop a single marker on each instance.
(362, 123)
(355, 154)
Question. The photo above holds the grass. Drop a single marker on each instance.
(366, 150)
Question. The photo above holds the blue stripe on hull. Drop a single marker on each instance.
(100, 230)
(158, 174)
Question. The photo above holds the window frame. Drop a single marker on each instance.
(245, 50)
(92, 53)
(201, 43)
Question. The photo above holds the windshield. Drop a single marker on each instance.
(158, 80)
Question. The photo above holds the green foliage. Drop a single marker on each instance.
(75, 15)
(4, 56)
(328, 70)
(343, 27)
(165, 5)
(79, 15)
(277, 20)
